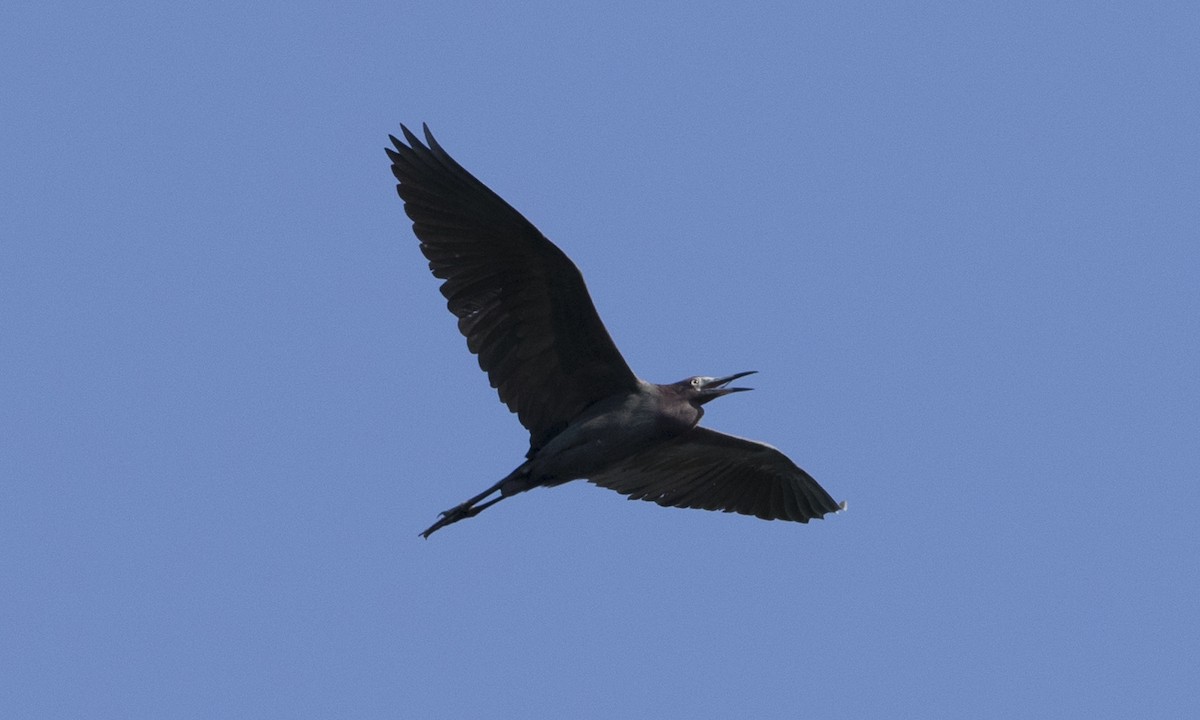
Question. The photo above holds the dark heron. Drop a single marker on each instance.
(523, 307)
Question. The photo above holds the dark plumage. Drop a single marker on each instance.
(526, 313)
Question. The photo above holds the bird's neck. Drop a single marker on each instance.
(678, 417)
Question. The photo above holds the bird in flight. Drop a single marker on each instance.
(525, 311)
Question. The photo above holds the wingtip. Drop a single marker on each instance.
(412, 139)
(430, 140)
(410, 136)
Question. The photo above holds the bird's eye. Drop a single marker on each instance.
(696, 382)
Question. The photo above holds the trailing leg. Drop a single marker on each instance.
(510, 485)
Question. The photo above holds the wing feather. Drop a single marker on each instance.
(520, 302)
(713, 471)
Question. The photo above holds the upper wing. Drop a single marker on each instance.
(713, 471)
(520, 302)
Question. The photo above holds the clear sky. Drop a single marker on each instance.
(959, 241)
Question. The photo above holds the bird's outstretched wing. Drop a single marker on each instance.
(520, 302)
(713, 471)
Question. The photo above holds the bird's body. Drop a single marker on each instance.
(612, 429)
(526, 313)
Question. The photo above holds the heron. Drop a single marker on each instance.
(526, 313)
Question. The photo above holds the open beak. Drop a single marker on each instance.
(715, 388)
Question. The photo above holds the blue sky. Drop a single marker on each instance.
(958, 241)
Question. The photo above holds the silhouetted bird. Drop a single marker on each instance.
(523, 307)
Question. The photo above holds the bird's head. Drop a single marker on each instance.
(699, 390)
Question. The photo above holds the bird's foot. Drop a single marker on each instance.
(451, 516)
